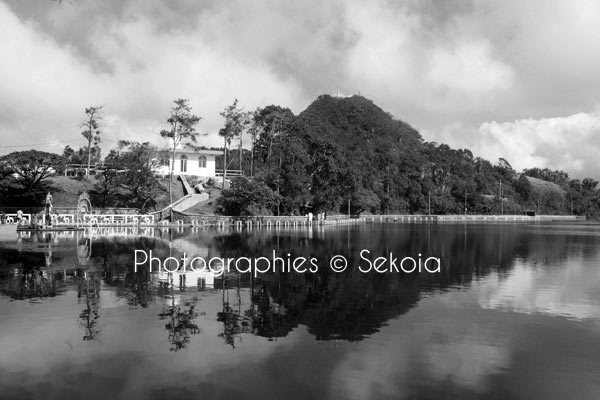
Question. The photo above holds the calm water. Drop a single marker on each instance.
(513, 314)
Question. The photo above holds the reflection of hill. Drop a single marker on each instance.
(347, 306)
(353, 305)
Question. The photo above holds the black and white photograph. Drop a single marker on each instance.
(271, 199)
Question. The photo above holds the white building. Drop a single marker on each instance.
(198, 163)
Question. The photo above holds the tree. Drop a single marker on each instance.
(589, 184)
(235, 122)
(92, 133)
(68, 153)
(269, 122)
(245, 120)
(31, 166)
(285, 172)
(183, 131)
(28, 171)
(107, 184)
(523, 189)
(136, 163)
(362, 200)
(254, 132)
(247, 197)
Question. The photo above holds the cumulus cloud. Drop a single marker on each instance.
(143, 70)
(433, 65)
(565, 291)
(568, 143)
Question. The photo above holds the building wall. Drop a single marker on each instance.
(192, 164)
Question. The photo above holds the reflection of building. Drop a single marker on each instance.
(180, 316)
(188, 278)
(200, 163)
(183, 275)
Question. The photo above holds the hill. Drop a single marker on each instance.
(354, 121)
(348, 152)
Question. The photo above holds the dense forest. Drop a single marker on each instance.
(339, 155)
(342, 152)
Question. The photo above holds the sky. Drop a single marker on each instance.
(512, 79)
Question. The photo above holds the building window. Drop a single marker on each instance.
(202, 162)
(183, 163)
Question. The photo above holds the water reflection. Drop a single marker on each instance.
(179, 314)
(348, 306)
(29, 276)
(28, 283)
(480, 325)
(88, 290)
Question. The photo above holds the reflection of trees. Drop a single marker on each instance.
(348, 306)
(180, 320)
(353, 305)
(269, 319)
(33, 278)
(345, 306)
(141, 287)
(115, 255)
(234, 323)
(140, 291)
(30, 283)
(89, 287)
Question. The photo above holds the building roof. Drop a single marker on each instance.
(198, 152)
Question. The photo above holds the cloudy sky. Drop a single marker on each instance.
(512, 79)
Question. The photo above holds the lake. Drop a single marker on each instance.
(512, 313)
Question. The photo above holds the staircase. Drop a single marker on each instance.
(187, 189)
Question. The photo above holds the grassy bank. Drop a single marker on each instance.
(66, 191)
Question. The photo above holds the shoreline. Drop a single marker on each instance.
(249, 221)
(194, 221)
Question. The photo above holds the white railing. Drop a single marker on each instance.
(12, 218)
(100, 219)
(231, 173)
(103, 231)
(120, 231)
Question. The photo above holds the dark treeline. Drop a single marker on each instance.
(339, 155)
(347, 152)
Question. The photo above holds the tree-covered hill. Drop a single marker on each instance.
(348, 151)
(341, 154)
